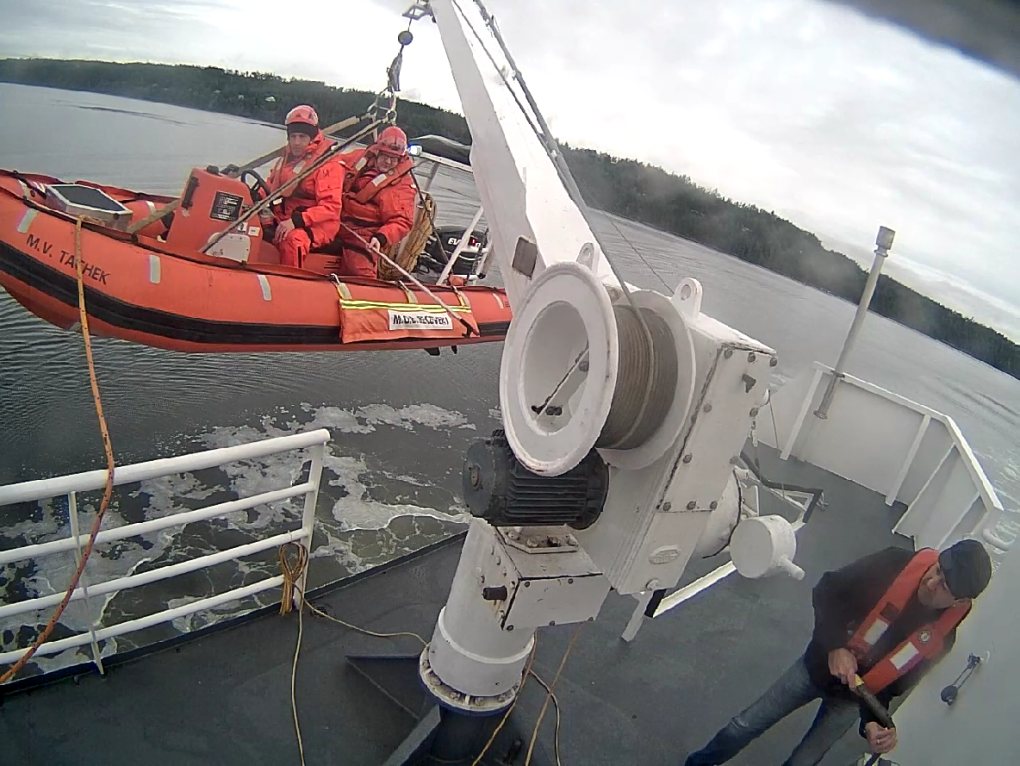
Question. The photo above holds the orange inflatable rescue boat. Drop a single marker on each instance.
(156, 288)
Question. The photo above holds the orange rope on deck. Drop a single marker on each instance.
(109, 466)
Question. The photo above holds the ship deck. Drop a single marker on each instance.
(224, 697)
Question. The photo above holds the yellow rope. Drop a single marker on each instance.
(509, 710)
(545, 705)
(414, 242)
(368, 632)
(83, 316)
(291, 575)
(556, 704)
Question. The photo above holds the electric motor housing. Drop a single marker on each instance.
(501, 490)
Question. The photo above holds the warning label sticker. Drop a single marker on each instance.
(419, 320)
(226, 207)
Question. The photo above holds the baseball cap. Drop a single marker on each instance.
(966, 567)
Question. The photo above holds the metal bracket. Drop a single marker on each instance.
(538, 539)
(525, 257)
(419, 10)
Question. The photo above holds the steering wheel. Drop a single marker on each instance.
(260, 190)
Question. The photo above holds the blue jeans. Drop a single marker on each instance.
(791, 691)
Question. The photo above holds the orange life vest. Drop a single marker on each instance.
(287, 167)
(367, 192)
(924, 643)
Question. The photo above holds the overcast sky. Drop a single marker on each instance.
(835, 121)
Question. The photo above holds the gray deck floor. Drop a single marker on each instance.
(225, 698)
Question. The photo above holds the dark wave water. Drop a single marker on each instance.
(400, 421)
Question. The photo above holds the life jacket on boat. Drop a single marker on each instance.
(314, 203)
(926, 642)
(375, 204)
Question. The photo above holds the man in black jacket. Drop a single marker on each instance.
(888, 617)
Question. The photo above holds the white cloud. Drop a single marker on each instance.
(829, 118)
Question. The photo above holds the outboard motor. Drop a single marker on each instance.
(210, 202)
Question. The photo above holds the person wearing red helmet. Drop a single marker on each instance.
(308, 214)
(378, 201)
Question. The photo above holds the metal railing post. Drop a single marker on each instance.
(69, 485)
(308, 519)
(83, 582)
(464, 239)
(883, 242)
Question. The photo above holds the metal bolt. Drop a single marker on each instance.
(583, 366)
(773, 362)
(652, 584)
(474, 476)
(691, 505)
(754, 412)
(728, 353)
(708, 408)
(570, 581)
(751, 357)
(527, 583)
(713, 505)
(509, 627)
(687, 458)
(667, 505)
(551, 623)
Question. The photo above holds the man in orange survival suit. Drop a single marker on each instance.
(378, 201)
(887, 617)
(308, 215)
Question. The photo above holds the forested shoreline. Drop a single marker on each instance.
(634, 190)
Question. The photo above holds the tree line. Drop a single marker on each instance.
(627, 188)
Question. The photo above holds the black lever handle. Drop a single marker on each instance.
(950, 692)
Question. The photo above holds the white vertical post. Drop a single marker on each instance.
(908, 460)
(883, 242)
(465, 238)
(308, 519)
(799, 422)
(482, 264)
(638, 618)
(83, 582)
(431, 177)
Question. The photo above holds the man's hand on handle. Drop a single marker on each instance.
(843, 665)
(879, 739)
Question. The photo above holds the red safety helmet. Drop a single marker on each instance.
(392, 141)
(302, 114)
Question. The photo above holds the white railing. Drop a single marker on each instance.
(883, 441)
(31, 491)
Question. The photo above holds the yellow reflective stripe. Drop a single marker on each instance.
(434, 308)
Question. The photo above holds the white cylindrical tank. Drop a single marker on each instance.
(764, 546)
(722, 521)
